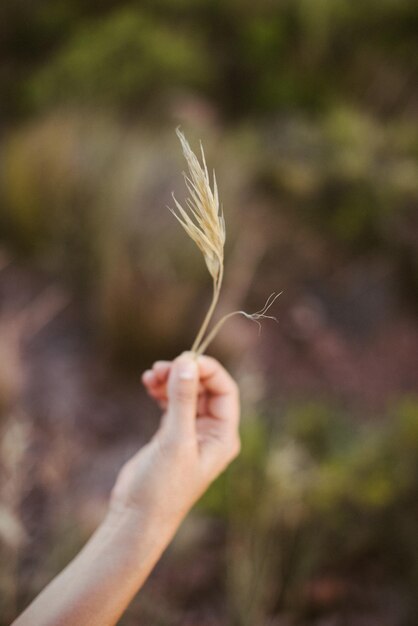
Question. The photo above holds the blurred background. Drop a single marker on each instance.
(308, 113)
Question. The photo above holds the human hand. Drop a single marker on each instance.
(197, 439)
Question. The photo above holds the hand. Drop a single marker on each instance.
(197, 439)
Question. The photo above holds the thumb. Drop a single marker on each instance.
(182, 392)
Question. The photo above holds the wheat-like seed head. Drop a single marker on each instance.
(202, 219)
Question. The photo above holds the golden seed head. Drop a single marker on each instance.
(202, 219)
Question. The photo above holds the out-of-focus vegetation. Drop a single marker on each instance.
(83, 196)
(250, 59)
(320, 103)
(307, 110)
(308, 503)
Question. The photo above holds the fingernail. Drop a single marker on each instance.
(187, 371)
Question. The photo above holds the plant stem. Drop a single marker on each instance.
(215, 297)
(211, 336)
(255, 317)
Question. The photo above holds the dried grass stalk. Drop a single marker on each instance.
(202, 219)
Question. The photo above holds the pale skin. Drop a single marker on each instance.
(197, 439)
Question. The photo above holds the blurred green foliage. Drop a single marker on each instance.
(124, 58)
(251, 59)
(316, 496)
(324, 90)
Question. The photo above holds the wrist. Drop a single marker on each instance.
(138, 530)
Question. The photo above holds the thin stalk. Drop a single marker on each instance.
(215, 297)
(204, 345)
(254, 317)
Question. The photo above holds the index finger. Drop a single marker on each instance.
(215, 378)
(223, 400)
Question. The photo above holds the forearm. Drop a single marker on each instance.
(153, 492)
(96, 587)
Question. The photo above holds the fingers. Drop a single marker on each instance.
(219, 435)
(161, 370)
(155, 381)
(214, 377)
(222, 391)
(182, 392)
(201, 402)
(218, 392)
(157, 376)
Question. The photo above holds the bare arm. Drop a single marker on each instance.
(154, 491)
